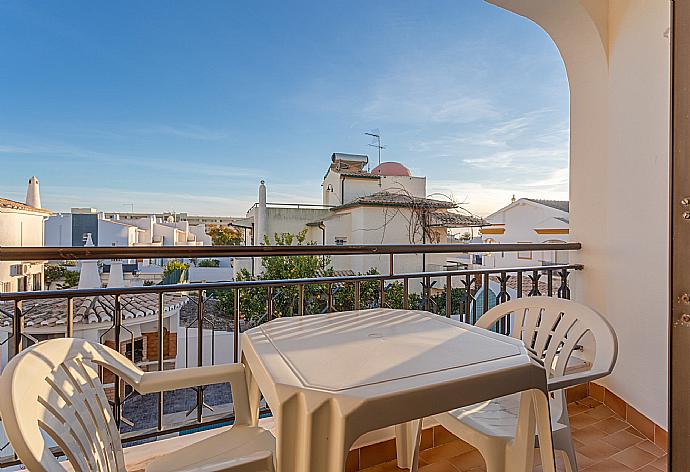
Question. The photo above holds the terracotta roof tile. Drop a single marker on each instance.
(11, 204)
(399, 200)
(87, 310)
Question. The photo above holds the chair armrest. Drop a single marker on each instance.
(191, 377)
(577, 378)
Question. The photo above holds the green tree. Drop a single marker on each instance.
(224, 235)
(254, 301)
(208, 263)
(71, 279)
(53, 273)
(57, 273)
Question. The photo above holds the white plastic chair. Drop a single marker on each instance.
(53, 388)
(551, 329)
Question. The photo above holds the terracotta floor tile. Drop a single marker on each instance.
(632, 430)
(442, 436)
(634, 457)
(608, 465)
(575, 408)
(583, 461)
(582, 420)
(598, 451)
(648, 468)
(623, 439)
(661, 463)
(588, 434)
(442, 467)
(375, 454)
(611, 425)
(390, 466)
(445, 451)
(652, 448)
(468, 461)
(600, 412)
(589, 401)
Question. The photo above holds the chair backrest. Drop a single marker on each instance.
(53, 387)
(552, 328)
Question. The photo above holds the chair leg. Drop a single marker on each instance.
(569, 453)
(541, 406)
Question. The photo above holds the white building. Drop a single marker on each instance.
(387, 205)
(69, 229)
(526, 220)
(21, 224)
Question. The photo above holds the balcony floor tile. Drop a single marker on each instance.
(603, 442)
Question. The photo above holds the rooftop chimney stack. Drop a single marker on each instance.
(261, 217)
(89, 276)
(33, 194)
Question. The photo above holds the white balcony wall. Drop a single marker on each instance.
(616, 53)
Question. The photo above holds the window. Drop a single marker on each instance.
(340, 240)
(6, 287)
(525, 255)
(477, 259)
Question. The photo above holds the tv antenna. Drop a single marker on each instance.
(378, 143)
(131, 205)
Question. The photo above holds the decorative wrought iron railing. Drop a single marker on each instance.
(463, 294)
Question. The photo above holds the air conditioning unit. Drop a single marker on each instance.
(18, 270)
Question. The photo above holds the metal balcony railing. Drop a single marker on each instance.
(456, 293)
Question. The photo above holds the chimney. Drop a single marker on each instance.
(116, 279)
(33, 194)
(89, 276)
(260, 217)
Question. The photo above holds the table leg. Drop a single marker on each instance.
(541, 407)
(407, 439)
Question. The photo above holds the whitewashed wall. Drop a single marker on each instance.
(616, 54)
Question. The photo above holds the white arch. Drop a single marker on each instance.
(616, 54)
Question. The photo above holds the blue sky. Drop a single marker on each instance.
(186, 105)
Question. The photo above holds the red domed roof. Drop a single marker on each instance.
(392, 169)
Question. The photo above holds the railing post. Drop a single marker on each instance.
(564, 290)
(200, 352)
(427, 291)
(382, 293)
(69, 321)
(406, 293)
(485, 293)
(117, 407)
(468, 298)
(519, 284)
(18, 327)
(358, 294)
(236, 328)
(330, 298)
(161, 335)
(269, 303)
(390, 262)
(449, 296)
(300, 307)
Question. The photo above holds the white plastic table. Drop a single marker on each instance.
(330, 378)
